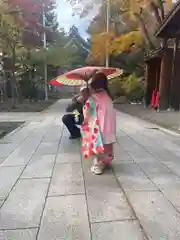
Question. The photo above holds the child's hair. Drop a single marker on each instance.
(100, 81)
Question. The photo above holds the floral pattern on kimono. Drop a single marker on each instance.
(92, 143)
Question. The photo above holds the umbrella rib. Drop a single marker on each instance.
(65, 80)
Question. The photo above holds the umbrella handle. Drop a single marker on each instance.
(89, 76)
(86, 80)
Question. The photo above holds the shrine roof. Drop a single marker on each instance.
(170, 27)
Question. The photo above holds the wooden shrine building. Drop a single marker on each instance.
(76, 41)
(163, 73)
(82, 47)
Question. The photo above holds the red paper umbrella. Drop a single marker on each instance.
(54, 82)
(77, 77)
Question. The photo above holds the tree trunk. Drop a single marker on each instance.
(13, 93)
(161, 7)
(155, 9)
(144, 31)
(2, 94)
(13, 78)
(5, 85)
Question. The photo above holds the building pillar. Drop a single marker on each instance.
(164, 83)
(174, 89)
(146, 99)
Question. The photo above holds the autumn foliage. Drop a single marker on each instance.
(21, 34)
(132, 25)
(115, 44)
(26, 16)
(30, 11)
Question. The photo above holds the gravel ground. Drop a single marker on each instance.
(170, 120)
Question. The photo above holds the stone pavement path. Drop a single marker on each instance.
(48, 193)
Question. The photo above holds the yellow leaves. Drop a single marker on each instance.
(104, 42)
(127, 42)
(10, 30)
(134, 14)
(136, 6)
(101, 43)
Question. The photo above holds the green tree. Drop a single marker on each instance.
(133, 88)
(51, 18)
(10, 41)
(20, 34)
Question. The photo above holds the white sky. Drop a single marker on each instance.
(66, 20)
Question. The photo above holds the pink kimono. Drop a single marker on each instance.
(104, 116)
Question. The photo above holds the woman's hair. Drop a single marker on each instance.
(100, 81)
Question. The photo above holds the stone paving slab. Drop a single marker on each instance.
(69, 147)
(26, 234)
(1, 160)
(165, 180)
(134, 149)
(6, 149)
(154, 167)
(24, 206)
(120, 155)
(127, 230)
(105, 199)
(67, 179)
(131, 177)
(147, 159)
(23, 153)
(158, 217)
(174, 166)
(19, 136)
(108, 206)
(157, 171)
(53, 135)
(53, 194)
(39, 167)
(65, 217)
(68, 158)
(6, 183)
(1, 203)
(173, 195)
(47, 148)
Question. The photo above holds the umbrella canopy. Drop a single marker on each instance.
(54, 82)
(78, 76)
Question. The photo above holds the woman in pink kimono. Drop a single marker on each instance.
(99, 127)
